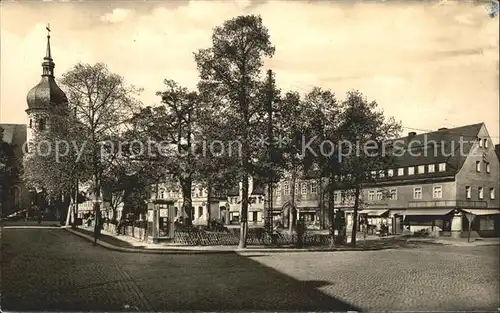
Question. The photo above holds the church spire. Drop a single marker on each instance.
(48, 64)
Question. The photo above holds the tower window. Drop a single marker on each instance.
(41, 124)
(31, 123)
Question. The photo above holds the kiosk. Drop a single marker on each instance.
(161, 217)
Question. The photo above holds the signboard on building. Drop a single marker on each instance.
(163, 212)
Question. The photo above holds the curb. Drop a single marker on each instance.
(213, 251)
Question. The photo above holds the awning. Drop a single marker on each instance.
(425, 212)
(482, 211)
(374, 212)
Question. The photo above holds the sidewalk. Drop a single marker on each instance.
(459, 242)
(130, 244)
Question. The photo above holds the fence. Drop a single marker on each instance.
(204, 238)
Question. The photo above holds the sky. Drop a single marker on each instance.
(428, 65)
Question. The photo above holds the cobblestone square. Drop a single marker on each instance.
(51, 269)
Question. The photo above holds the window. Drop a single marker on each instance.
(468, 192)
(390, 173)
(485, 143)
(478, 166)
(480, 193)
(286, 189)
(393, 194)
(41, 124)
(431, 168)
(314, 187)
(480, 143)
(303, 188)
(342, 196)
(297, 188)
(437, 192)
(492, 193)
(417, 193)
(371, 195)
(162, 194)
(276, 191)
(31, 125)
(442, 167)
(411, 170)
(488, 169)
(421, 169)
(336, 197)
(200, 211)
(379, 194)
(374, 174)
(381, 174)
(401, 171)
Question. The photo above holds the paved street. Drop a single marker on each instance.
(51, 269)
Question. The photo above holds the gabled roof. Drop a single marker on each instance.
(450, 146)
(258, 187)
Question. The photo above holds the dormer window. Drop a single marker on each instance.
(401, 171)
(390, 173)
(480, 143)
(431, 168)
(478, 166)
(442, 167)
(421, 169)
(485, 143)
(411, 170)
(381, 174)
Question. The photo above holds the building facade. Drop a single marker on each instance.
(450, 176)
(14, 195)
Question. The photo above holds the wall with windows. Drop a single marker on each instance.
(478, 178)
(399, 196)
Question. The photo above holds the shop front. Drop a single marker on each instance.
(480, 222)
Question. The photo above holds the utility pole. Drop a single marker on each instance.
(270, 148)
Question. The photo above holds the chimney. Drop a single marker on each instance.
(411, 134)
(442, 128)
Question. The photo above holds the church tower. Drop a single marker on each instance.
(45, 99)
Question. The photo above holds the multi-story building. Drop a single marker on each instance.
(14, 195)
(442, 178)
(256, 204)
(199, 198)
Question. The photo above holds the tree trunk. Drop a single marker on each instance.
(331, 205)
(244, 209)
(321, 206)
(209, 196)
(187, 201)
(292, 209)
(355, 215)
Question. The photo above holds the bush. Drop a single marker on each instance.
(422, 233)
(140, 224)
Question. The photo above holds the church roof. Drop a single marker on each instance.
(46, 94)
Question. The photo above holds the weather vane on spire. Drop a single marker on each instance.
(48, 29)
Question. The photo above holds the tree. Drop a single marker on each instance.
(56, 159)
(104, 104)
(230, 70)
(7, 168)
(172, 128)
(362, 125)
(323, 112)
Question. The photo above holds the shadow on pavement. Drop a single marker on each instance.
(54, 270)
